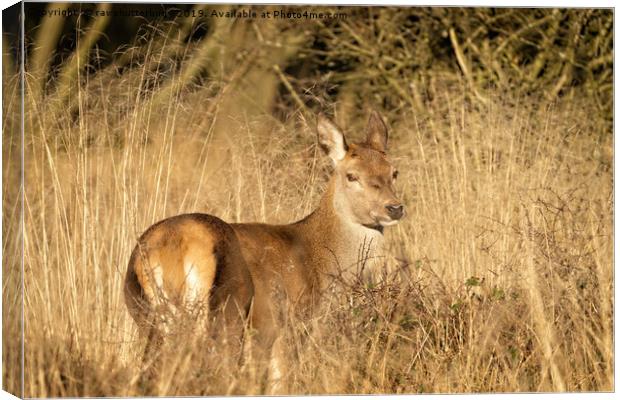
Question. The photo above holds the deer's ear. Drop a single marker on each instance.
(331, 139)
(376, 132)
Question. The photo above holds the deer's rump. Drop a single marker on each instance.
(187, 260)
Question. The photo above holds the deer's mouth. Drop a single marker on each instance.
(383, 221)
(376, 227)
(389, 222)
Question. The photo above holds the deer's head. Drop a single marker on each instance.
(363, 176)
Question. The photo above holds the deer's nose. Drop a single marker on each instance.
(395, 211)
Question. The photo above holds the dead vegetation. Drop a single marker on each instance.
(499, 280)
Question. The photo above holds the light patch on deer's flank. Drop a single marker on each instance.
(192, 282)
(160, 295)
(158, 277)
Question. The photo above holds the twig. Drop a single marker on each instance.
(460, 58)
(290, 88)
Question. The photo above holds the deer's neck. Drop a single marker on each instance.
(337, 241)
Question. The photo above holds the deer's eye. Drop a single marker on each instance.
(395, 175)
(352, 178)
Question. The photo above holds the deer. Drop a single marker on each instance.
(237, 270)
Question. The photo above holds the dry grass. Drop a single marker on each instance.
(499, 280)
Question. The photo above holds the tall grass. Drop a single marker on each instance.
(499, 279)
